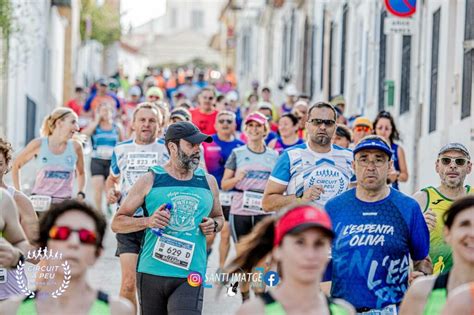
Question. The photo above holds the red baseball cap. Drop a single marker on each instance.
(301, 218)
(258, 117)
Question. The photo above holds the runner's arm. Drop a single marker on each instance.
(120, 306)
(80, 169)
(24, 157)
(123, 221)
(402, 161)
(416, 296)
(216, 213)
(28, 217)
(273, 198)
(422, 198)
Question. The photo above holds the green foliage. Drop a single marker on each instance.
(5, 17)
(104, 20)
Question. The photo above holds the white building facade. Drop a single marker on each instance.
(328, 48)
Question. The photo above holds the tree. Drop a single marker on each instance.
(101, 23)
(5, 18)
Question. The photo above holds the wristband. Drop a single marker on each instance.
(216, 225)
(81, 193)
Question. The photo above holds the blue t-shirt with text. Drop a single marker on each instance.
(373, 245)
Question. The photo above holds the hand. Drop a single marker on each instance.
(313, 193)
(413, 275)
(430, 218)
(240, 175)
(207, 226)
(113, 196)
(160, 218)
(8, 254)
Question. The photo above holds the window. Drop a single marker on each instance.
(434, 70)
(308, 59)
(197, 19)
(322, 49)
(382, 55)
(405, 79)
(343, 47)
(30, 119)
(468, 63)
(331, 44)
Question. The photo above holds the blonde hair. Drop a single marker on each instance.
(49, 123)
(149, 105)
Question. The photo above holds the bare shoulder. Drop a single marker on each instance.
(421, 287)
(254, 306)
(212, 181)
(460, 301)
(349, 308)
(77, 145)
(120, 306)
(422, 198)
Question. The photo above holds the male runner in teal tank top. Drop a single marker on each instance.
(178, 250)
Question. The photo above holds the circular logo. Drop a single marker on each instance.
(194, 279)
(44, 273)
(401, 8)
(271, 278)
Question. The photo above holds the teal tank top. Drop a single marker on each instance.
(182, 247)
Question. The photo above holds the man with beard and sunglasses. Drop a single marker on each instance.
(204, 116)
(130, 160)
(181, 207)
(315, 171)
(453, 165)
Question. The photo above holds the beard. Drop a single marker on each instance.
(188, 162)
(321, 140)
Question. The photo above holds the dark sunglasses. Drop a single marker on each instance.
(62, 233)
(385, 114)
(222, 121)
(458, 161)
(319, 122)
(208, 98)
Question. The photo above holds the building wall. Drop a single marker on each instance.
(361, 76)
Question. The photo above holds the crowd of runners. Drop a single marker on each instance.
(177, 157)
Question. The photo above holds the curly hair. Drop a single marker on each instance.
(7, 150)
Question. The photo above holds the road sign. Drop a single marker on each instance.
(399, 26)
(401, 8)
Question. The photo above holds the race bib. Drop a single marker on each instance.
(174, 251)
(105, 152)
(40, 203)
(3, 275)
(141, 161)
(225, 197)
(252, 201)
(388, 310)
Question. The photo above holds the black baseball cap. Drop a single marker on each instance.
(187, 131)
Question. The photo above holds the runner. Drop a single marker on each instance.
(246, 172)
(343, 136)
(300, 110)
(291, 94)
(101, 95)
(28, 217)
(77, 103)
(105, 134)
(13, 244)
(179, 114)
(460, 301)
(288, 129)
(378, 230)
(130, 160)
(60, 160)
(299, 240)
(154, 94)
(362, 127)
(88, 226)
(385, 127)
(428, 295)
(216, 154)
(204, 115)
(453, 165)
(165, 261)
(312, 172)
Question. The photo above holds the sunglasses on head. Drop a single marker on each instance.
(62, 233)
(222, 121)
(457, 161)
(319, 122)
(362, 128)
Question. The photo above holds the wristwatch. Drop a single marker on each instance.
(216, 225)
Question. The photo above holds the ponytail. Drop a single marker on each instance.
(47, 127)
(49, 123)
(254, 246)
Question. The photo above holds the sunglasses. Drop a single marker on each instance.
(62, 233)
(208, 98)
(361, 128)
(154, 97)
(458, 161)
(222, 121)
(319, 122)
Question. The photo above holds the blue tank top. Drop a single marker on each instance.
(396, 163)
(55, 177)
(182, 247)
(103, 142)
